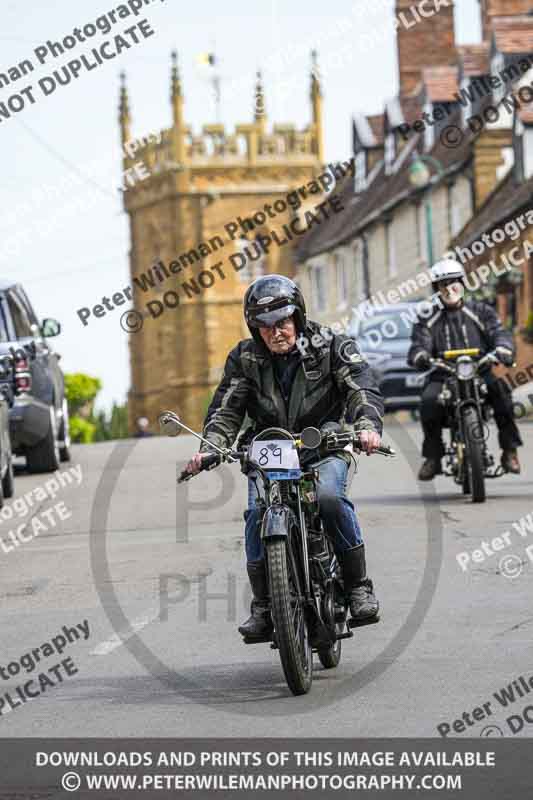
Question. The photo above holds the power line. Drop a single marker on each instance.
(65, 162)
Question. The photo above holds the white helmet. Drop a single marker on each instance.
(447, 269)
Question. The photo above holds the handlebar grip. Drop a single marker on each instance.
(209, 461)
(384, 450)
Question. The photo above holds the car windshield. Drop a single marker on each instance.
(387, 325)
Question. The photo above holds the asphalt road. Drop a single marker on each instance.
(163, 656)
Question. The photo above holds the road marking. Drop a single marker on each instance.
(118, 639)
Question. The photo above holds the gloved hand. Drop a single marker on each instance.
(505, 356)
(422, 361)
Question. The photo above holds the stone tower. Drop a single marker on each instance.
(187, 275)
(427, 40)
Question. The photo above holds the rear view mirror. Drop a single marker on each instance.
(311, 438)
(50, 327)
(170, 423)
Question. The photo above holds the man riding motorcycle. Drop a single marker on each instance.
(279, 384)
(455, 325)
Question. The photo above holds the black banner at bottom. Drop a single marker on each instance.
(223, 768)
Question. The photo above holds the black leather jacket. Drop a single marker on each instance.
(474, 324)
(332, 382)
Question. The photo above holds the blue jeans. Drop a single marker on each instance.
(336, 511)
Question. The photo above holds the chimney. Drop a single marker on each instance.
(423, 42)
(501, 8)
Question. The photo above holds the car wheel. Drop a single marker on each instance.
(44, 457)
(64, 433)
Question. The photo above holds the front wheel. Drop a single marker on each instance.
(288, 616)
(474, 466)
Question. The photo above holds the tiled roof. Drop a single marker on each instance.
(503, 202)
(383, 194)
(475, 59)
(440, 83)
(513, 34)
(321, 237)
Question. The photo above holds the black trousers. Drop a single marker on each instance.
(432, 415)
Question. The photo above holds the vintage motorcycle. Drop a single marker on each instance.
(307, 598)
(467, 458)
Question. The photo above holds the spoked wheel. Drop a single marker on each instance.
(288, 616)
(474, 467)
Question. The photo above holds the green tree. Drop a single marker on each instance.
(80, 391)
(85, 425)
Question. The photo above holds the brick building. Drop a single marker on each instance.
(397, 225)
(197, 185)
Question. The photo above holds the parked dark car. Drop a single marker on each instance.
(38, 418)
(7, 483)
(384, 337)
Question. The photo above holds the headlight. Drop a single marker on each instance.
(466, 370)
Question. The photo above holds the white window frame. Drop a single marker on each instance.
(392, 264)
(252, 269)
(454, 211)
(429, 130)
(498, 65)
(360, 171)
(468, 108)
(319, 288)
(527, 151)
(341, 280)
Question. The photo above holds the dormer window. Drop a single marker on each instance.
(527, 151)
(467, 93)
(429, 131)
(497, 66)
(360, 171)
(390, 152)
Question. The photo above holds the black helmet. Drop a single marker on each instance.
(271, 298)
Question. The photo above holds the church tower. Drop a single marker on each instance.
(184, 280)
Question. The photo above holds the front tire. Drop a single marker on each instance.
(289, 618)
(474, 467)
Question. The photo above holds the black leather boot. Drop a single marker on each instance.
(358, 588)
(429, 469)
(259, 624)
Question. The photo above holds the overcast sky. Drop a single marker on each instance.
(61, 213)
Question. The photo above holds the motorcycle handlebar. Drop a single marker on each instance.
(212, 460)
(489, 357)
